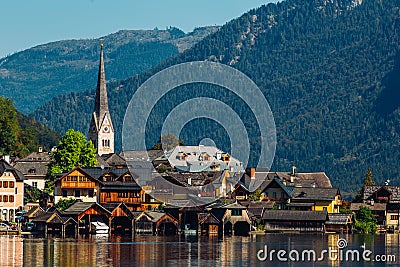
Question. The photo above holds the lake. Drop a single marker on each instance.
(254, 250)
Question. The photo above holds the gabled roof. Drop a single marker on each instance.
(51, 217)
(4, 166)
(263, 177)
(372, 189)
(192, 161)
(294, 215)
(36, 168)
(79, 169)
(114, 159)
(234, 206)
(36, 156)
(80, 207)
(209, 218)
(287, 189)
(34, 212)
(375, 207)
(317, 193)
(114, 206)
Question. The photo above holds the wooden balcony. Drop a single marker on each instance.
(116, 199)
(78, 185)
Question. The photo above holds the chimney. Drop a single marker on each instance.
(40, 149)
(252, 173)
(293, 174)
(294, 170)
(7, 158)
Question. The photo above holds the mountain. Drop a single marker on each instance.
(329, 69)
(34, 76)
(19, 134)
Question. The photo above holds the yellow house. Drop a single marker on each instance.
(11, 191)
(316, 198)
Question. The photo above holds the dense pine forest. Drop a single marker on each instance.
(329, 69)
(19, 134)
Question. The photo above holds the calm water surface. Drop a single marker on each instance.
(187, 251)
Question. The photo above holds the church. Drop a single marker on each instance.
(101, 130)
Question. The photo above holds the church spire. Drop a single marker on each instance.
(101, 104)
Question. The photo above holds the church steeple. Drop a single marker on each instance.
(101, 129)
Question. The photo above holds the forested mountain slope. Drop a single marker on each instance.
(34, 76)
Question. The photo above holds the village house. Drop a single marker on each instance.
(375, 196)
(34, 168)
(199, 159)
(103, 185)
(315, 198)
(11, 191)
(77, 184)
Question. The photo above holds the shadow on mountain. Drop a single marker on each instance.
(389, 99)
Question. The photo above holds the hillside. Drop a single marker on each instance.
(34, 76)
(20, 135)
(329, 69)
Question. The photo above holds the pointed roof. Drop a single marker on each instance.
(101, 102)
(4, 166)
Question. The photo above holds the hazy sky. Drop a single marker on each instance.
(27, 23)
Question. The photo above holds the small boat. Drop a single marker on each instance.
(189, 231)
(99, 228)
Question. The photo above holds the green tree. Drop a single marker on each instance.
(368, 180)
(9, 126)
(72, 150)
(365, 221)
(256, 195)
(31, 194)
(64, 203)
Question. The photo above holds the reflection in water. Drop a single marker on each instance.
(182, 251)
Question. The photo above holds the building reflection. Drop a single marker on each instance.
(11, 251)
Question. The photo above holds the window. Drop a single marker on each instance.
(108, 195)
(11, 199)
(282, 194)
(64, 193)
(394, 217)
(123, 194)
(91, 192)
(77, 193)
(134, 194)
(266, 194)
(0, 184)
(0, 198)
(106, 143)
(5, 184)
(274, 194)
(236, 212)
(5, 198)
(32, 171)
(34, 184)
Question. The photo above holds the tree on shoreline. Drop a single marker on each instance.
(368, 180)
(72, 150)
(365, 221)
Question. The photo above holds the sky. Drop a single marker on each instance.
(27, 23)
